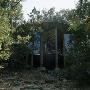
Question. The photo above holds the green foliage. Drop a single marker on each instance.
(77, 58)
(5, 38)
(7, 8)
(20, 55)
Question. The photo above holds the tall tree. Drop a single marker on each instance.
(7, 7)
(78, 54)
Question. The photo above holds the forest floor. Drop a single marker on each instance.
(34, 80)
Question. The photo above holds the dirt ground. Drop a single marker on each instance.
(34, 80)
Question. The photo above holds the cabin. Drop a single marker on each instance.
(49, 45)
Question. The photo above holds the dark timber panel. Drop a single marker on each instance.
(49, 61)
(60, 43)
(36, 61)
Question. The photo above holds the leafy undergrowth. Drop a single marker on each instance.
(34, 80)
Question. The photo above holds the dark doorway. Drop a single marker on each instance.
(36, 60)
(49, 61)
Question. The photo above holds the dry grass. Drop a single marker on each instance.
(33, 79)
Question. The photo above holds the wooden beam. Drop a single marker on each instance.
(56, 46)
(41, 51)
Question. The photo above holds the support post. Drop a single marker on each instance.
(32, 49)
(32, 60)
(56, 46)
(27, 61)
(41, 52)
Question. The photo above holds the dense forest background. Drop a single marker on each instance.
(16, 34)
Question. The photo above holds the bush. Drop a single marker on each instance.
(77, 63)
(19, 55)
